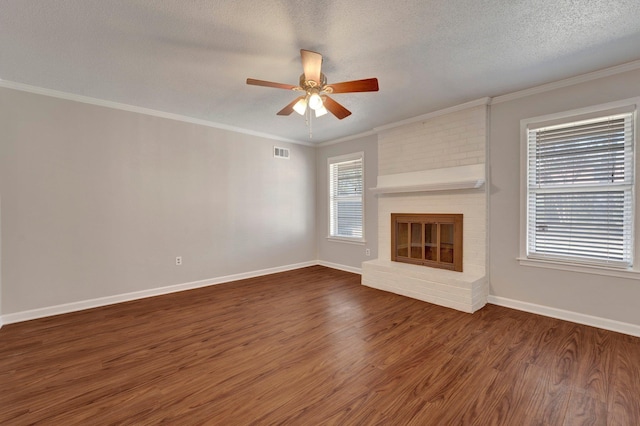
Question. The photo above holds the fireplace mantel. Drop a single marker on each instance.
(446, 179)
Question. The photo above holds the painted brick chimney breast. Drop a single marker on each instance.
(450, 140)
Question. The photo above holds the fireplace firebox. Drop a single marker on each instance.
(433, 240)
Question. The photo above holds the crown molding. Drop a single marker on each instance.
(377, 130)
(346, 138)
(445, 111)
(140, 110)
(606, 72)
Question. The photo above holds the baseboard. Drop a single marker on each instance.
(126, 297)
(340, 267)
(604, 323)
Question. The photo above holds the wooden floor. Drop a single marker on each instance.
(310, 347)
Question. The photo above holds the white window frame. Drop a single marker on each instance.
(627, 105)
(342, 159)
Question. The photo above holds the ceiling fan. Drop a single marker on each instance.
(316, 90)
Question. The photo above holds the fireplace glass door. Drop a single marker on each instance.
(427, 239)
(416, 241)
(431, 241)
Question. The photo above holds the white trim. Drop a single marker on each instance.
(341, 159)
(430, 115)
(126, 297)
(571, 81)
(578, 114)
(140, 110)
(606, 72)
(357, 241)
(347, 138)
(340, 267)
(487, 192)
(576, 267)
(346, 157)
(604, 323)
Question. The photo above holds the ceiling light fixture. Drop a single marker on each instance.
(321, 111)
(313, 81)
(315, 101)
(315, 90)
(301, 106)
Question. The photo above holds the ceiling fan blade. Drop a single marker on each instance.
(366, 85)
(264, 83)
(289, 108)
(311, 65)
(335, 108)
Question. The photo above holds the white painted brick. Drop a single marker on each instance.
(450, 140)
(420, 283)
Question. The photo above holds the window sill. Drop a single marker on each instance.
(586, 269)
(359, 242)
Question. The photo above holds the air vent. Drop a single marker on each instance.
(281, 152)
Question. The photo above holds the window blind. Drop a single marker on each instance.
(345, 198)
(580, 191)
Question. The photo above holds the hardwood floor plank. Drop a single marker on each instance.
(624, 404)
(493, 404)
(537, 398)
(596, 369)
(584, 410)
(312, 346)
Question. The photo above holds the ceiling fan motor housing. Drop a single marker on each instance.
(310, 84)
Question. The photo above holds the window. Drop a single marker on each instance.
(346, 201)
(580, 190)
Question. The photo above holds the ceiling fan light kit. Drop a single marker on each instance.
(316, 90)
(315, 101)
(301, 106)
(321, 111)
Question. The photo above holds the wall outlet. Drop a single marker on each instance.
(367, 252)
(178, 260)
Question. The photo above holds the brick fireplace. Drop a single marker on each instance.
(435, 165)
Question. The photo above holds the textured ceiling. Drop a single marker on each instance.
(192, 57)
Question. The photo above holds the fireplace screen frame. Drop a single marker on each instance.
(444, 253)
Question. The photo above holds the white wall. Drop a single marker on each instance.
(449, 140)
(340, 253)
(587, 294)
(98, 202)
